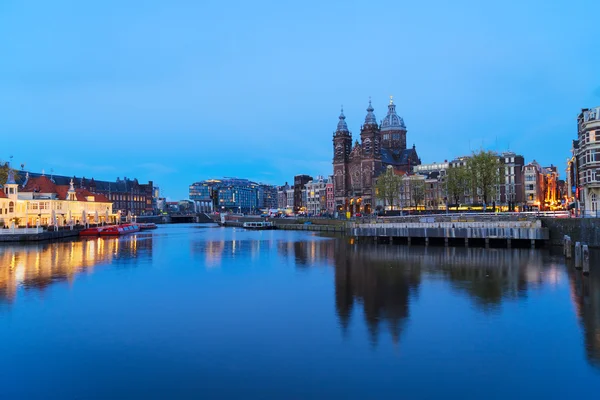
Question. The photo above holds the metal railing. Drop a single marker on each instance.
(21, 231)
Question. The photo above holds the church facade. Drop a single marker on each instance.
(357, 165)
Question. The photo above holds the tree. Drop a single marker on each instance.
(388, 187)
(417, 190)
(484, 174)
(457, 183)
(4, 168)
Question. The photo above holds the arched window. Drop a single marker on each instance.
(11, 207)
(594, 200)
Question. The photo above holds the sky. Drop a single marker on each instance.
(180, 91)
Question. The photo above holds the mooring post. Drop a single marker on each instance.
(585, 255)
(568, 247)
(466, 242)
(577, 254)
(446, 242)
(508, 244)
(408, 240)
(391, 240)
(533, 243)
(487, 243)
(565, 245)
(427, 241)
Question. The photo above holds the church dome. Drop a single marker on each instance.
(392, 122)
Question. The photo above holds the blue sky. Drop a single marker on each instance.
(181, 91)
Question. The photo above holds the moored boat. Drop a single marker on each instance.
(147, 225)
(258, 225)
(122, 229)
(91, 231)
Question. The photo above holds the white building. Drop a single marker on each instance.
(39, 201)
(588, 160)
(316, 196)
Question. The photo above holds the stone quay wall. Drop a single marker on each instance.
(584, 230)
(36, 237)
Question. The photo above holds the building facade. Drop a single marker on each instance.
(330, 196)
(128, 196)
(282, 196)
(40, 201)
(588, 161)
(317, 196)
(232, 195)
(534, 185)
(300, 198)
(510, 192)
(356, 166)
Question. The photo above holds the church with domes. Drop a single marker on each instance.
(357, 165)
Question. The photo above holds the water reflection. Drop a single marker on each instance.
(382, 279)
(585, 293)
(36, 266)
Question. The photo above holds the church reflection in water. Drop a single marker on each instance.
(382, 279)
(37, 266)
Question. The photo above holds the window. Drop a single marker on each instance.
(11, 207)
(386, 136)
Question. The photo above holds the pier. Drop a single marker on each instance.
(488, 234)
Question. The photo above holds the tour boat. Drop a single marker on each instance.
(258, 225)
(91, 231)
(122, 229)
(147, 225)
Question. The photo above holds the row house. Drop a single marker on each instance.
(317, 196)
(534, 185)
(300, 197)
(587, 156)
(282, 196)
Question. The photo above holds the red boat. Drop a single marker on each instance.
(91, 231)
(122, 229)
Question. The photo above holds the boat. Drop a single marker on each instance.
(122, 229)
(258, 225)
(147, 225)
(92, 231)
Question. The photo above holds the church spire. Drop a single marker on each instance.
(342, 126)
(370, 118)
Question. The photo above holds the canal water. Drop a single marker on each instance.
(206, 312)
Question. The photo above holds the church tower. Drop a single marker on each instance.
(369, 135)
(371, 159)
(342, 145)
(393, 130)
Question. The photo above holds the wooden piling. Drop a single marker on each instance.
(585, 255)
(577, 255)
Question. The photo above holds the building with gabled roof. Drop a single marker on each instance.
(40, 200)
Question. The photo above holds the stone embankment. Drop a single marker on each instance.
(583, 230)
(37, 237)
